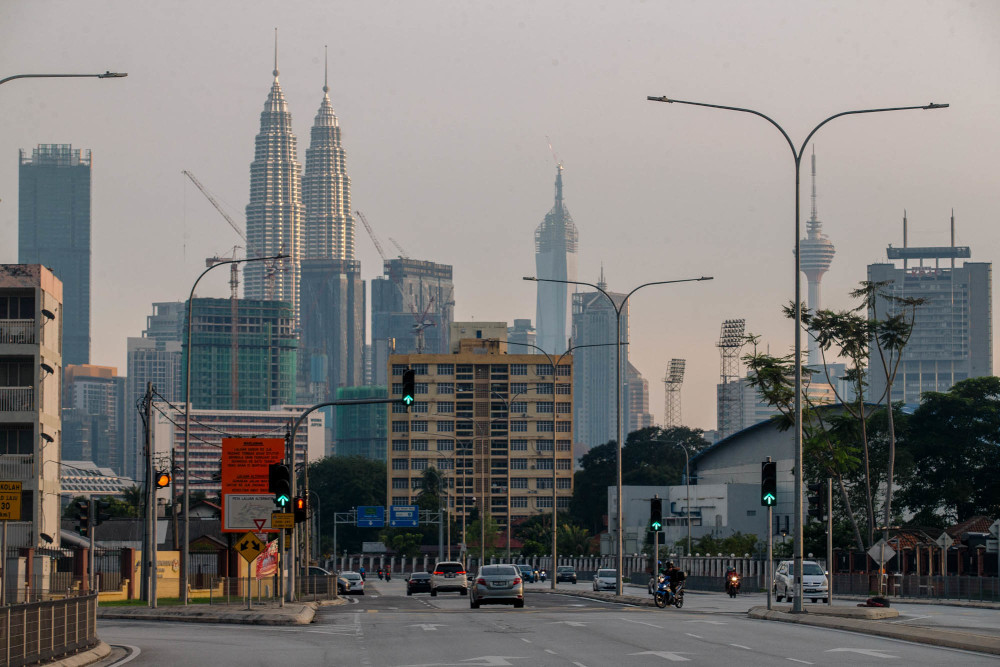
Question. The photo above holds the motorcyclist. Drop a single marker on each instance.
(673, 575)
(730, 573)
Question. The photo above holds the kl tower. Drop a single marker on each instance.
(817, 254)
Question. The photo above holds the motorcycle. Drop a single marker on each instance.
(542, 575)
(653, 583)
(733, 584)
(664, 597)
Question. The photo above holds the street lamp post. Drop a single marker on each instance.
(105, 75)
(797, 158)
(553, 365)
(618, 308)
(687, 483)
(212, 263)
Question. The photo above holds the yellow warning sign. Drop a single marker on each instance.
(281, 520)
(249, 547)
(10, 501)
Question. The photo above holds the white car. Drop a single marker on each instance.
(815, 585)
(449, 576)
(355, 584)
(606, 580)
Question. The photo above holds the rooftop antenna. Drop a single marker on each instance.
(813, 217)
(904, 238)
(275, 54)
(326, 69)
(953, 237)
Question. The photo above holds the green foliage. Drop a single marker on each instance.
(737, 544)
(474, 532)
(403, 543)
(650, 457)
(342, 483)
(952, 447)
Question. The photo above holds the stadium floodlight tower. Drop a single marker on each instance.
(730, 412)
(817, 255)
(672, 393)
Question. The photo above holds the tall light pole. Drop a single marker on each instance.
(554, 365)
(687, 483)
(106, 75)
(797, 158)
(618, 308)
(212, 263)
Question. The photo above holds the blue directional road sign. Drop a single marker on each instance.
(371, 516)
(404, 516)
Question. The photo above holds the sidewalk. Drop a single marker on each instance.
(293, 613)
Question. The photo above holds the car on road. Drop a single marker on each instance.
(418, 582)
(497, 584)
(815, 585)
(606, 580)
(565, 573)
(449, 576)
(355, 584)
(527, 574)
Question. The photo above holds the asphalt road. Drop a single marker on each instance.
(387, 628)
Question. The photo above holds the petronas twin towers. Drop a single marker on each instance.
(305, 216)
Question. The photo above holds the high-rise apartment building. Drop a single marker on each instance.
(31, 321)
(266, 349)
(54, 230)
(275, 212)
(413, 306)
(498, 427)
(952, 337)
(94, 416)
(639, 416)
(555, 258)
(594, 376)
(361, 429)
(155, 357)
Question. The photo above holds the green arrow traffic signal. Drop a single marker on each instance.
(281, 500)
(769, 499)
(657, 525)
(409, 387)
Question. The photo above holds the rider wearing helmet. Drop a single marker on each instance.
(674, 576)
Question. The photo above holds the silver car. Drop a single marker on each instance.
(497, 584)
(355, 584)
(606, 580)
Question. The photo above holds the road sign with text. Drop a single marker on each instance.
(404, 516)
(371, 516)
(10, 501)
(245, 479)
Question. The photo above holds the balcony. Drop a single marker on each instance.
(17, 332)
(17, 467)
(17, 399)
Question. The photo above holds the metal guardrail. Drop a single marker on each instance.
(17, 332)
(17, 399)
(41, 631)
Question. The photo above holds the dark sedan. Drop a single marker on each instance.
(565, 573)
(418, 582)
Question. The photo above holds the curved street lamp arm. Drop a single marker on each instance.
(618, 307)
(805, 143)
(106, 75)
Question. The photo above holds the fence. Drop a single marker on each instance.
(952, 587)
(42, 631)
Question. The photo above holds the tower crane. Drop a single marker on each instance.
(402, 253)
(371, 233)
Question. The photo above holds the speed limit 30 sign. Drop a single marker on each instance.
(10, 501)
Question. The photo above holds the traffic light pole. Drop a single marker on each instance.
(770, 557)
(90, 529)
(829, 541)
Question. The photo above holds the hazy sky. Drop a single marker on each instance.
(445, 108)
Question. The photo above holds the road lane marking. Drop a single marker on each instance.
(548, 650)
(666, 655)
(912, 618)
(865, 651)
(526, 641)
(695, 636)
(742, 646)
(804, 662)
(652, 625)
(134, 652)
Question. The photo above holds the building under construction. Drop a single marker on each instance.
(412, 310)
(266, 347)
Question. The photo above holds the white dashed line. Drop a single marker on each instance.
(695, 636)
(742, 646)
(548, 650)
(526, 641)
(804, 662)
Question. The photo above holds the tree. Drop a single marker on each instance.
(953, 440)
(342, 483)
(404, 544)
(134, 498)
(574, 540)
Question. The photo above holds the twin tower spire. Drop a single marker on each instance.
(306, 215)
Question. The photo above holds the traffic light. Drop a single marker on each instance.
(101, 513)
(279, 482)
(301, 509)
(83, 516)
(817, 499)
(768, 483)
(655, 514)
(162, 479)
(409, 391)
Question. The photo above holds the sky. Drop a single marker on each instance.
(447, 109)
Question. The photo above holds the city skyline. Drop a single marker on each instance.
(447, 149)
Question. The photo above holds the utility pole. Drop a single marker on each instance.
(149, 576)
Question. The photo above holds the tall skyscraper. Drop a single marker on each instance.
(267, 348)
(522, 337)
(94, 416)
(332, 291)
(275, 212)
(594, 323)
(555, 258)
(155, 357)
(639, 416)
(54, 230)
(413, 307)
(328, 230)
(952, 334)
(817, 255)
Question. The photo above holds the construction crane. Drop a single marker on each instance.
(421, 322)
(402, 253)
(371, 233)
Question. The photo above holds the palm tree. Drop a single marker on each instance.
(133, 497)
(574, 540)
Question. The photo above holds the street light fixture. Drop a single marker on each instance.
(212, 263)
(797, 158)
(618, 308)
(106, 75)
